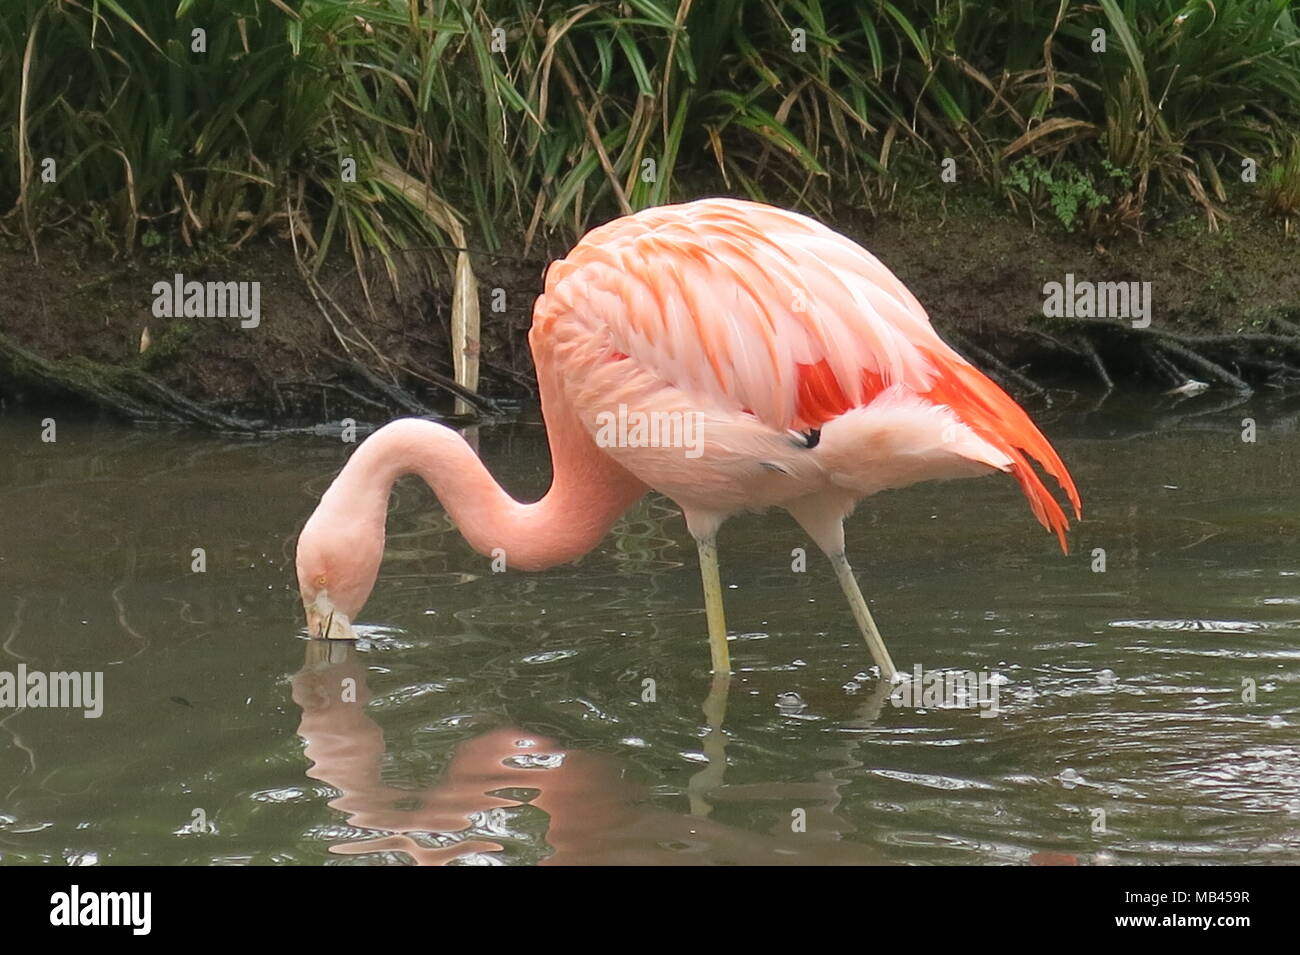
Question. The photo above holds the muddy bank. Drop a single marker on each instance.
(1224, 310)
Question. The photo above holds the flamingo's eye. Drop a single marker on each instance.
(320, 581)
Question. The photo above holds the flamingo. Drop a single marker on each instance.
(808, 374)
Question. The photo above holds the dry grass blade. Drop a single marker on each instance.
(593, 136)
(1047, 128)
(24, 148)
(465, 320)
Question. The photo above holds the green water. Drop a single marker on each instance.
(506, 718)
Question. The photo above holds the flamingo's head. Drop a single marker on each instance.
(338, 560)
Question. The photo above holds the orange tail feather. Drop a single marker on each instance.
(996, 418)
(988, 410)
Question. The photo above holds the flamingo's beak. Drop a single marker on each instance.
(327, 622)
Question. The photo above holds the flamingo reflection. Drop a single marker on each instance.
(596, 817)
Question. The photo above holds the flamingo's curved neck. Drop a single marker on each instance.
(588, 492)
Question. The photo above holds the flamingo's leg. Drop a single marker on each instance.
(708, 547)
(858, 604)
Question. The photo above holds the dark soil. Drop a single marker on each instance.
(71, 326)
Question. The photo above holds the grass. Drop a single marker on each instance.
(1282, 184)
(527, 119)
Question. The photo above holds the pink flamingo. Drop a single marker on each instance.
(728, 354)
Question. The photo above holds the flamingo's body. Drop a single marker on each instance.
(812, 374)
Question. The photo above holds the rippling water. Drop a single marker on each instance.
(1146, 713)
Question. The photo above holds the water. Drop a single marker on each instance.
(506, 717)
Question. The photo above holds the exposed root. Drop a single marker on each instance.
(995, 368)
(1211, 368)
(1090, 352)
(1111, 351)
(133, 393)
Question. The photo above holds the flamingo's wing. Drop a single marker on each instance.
(752, 308)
